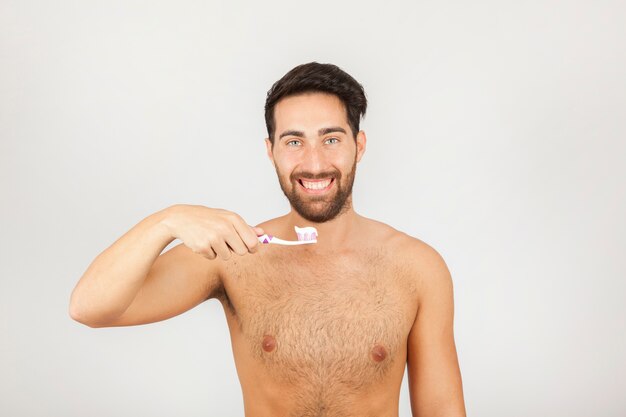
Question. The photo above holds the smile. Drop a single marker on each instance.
(316, 186)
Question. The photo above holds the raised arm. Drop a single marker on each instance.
(132, 283)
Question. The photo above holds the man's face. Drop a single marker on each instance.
(315, 154)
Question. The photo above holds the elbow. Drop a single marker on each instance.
(87, 322)
(78, 316)
(82, 316)
(75, 311)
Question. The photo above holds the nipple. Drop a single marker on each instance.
(269, 343)
(379, 353)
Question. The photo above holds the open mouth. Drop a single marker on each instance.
(316, 186)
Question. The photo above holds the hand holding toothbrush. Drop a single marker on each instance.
(212, 232)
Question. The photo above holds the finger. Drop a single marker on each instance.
(247, 235)
(221, 249)
(236, 244)
(210, 254)
(207, 252)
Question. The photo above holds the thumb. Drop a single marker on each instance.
(258, 231)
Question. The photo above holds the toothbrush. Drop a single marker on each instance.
(305, 235)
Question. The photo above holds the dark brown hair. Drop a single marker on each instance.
(316, 77)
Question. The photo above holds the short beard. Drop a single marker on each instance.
(341, 202)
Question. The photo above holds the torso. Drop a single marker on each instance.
(320, 334)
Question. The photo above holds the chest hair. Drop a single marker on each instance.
(326, 314)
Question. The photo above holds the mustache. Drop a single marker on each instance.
(310, 176)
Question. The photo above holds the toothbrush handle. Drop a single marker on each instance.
(291, 242)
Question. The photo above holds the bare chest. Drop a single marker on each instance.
(342, 319)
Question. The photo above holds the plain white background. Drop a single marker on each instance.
(496, 134)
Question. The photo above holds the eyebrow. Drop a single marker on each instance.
(321, 132)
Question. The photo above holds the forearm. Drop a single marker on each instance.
(114, 278)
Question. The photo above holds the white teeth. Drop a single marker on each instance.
(317, 185)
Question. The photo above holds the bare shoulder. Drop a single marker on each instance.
(422, 261)
(399, 241)
(431, 272)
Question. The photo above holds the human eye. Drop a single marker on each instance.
(293, 142)
(332, 139)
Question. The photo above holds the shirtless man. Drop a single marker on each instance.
(322, 329)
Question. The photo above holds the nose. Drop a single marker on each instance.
(313, 160)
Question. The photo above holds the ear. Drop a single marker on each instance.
(270, 153)
(360, 145)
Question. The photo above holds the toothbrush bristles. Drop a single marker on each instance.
(306, 234)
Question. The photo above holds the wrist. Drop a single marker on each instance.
(165, 220)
